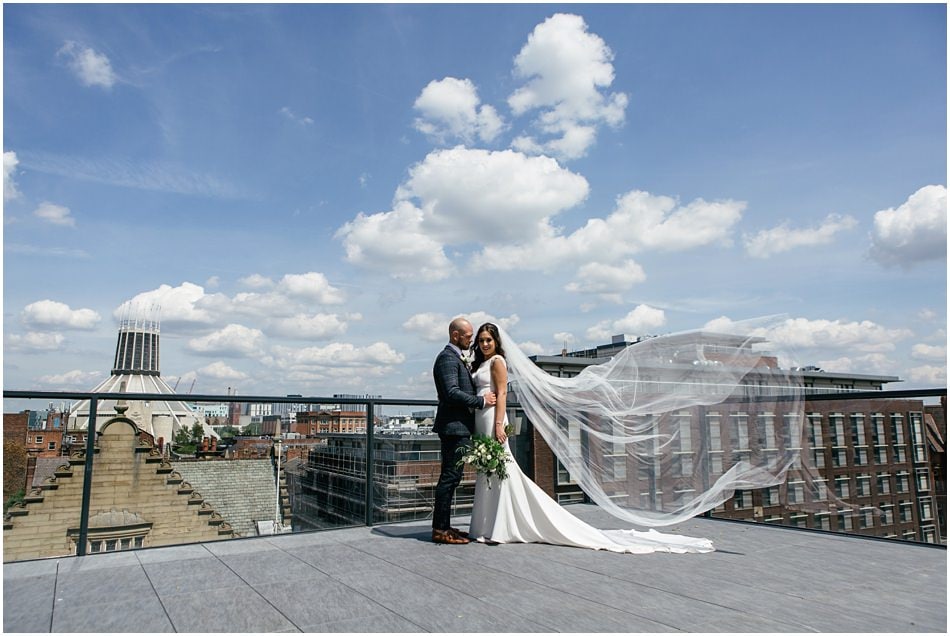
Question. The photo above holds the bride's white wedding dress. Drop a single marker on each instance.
(516, 510)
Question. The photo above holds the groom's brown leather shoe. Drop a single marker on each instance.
(447, 536)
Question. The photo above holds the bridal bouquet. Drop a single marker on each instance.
(487, 455)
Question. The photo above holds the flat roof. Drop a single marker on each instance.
(392, 578)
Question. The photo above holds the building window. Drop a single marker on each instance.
(818, 457)
(715, 437)
(926, 513)
(836, 423)
(844, 521)
(798, 521)
(867, 517)
(39, 439)
(744, 499)
(683, 425)
(814, 430)
(923, 480)
(906, 511)
(715, 463)
(839, 457)
(930, 534)
(860, 457)
(877, 425)
(51, 446)
(857, 429)
(880, 454)
(883, 484)
(739, 430)
(792, 431)
(864, 485)
(900, 454)
(823, 520)
(765, 423)
(563, 476)
(770, 496)
(897, 428)
(842, 485)
(820, 490)
(796, 492)
(887, 514)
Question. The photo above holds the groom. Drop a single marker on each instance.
(454, 422)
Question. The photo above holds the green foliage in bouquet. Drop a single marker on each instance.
(487, 455)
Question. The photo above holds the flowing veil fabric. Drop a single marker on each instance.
(671, 426)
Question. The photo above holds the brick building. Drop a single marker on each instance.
(137, 500)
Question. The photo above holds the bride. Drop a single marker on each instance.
(516, 510)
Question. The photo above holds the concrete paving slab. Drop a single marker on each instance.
(224, 609)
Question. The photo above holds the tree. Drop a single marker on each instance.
(182, 437)
(197, 432)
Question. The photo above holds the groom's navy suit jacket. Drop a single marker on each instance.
(457, 399)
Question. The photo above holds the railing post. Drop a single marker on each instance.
(87, 478)
(370, 469)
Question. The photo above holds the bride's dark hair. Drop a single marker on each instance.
(479, 356)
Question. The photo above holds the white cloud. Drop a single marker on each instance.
(916, 231)
(929, 374)
(783, 238)
(306, 327)
(876, 363)
(641, 221)
(600, 278)
(928, 352)
(256, 281)
(450, 109)
(47, 314)
(34, 341)
(290, 115)
(221, 371)
(396, 244)
(564, 338)
(458, 197)
(566, 69)
(312, 286)
(55, 214)
(434, 327)
(91, 67)
(337, 355)
(826, 335)
(531, 348)
(213, 281)
(10, 163)
(473, 195)
(75, 379)
(643, 320)
(232, 341)
(182, 304)
(430, 326)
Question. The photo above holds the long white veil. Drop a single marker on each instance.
(671, 426)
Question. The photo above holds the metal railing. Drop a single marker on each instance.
(373, 408)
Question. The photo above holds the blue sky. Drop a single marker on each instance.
(311, 192)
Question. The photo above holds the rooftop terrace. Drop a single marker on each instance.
(391, 578)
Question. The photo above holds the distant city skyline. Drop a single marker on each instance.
(307, 194)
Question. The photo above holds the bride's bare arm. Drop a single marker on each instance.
(499, 381)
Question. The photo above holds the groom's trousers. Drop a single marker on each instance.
(449, 480)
